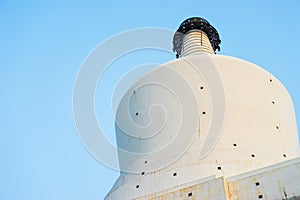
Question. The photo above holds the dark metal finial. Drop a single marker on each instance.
(191, 24)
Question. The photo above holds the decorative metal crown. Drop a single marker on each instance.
(191, 24)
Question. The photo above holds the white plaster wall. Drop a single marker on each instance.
(259, 126)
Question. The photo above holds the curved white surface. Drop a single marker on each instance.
(259, 127)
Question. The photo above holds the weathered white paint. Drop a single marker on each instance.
(280, 181)
(252, 122)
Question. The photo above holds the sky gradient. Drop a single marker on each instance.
(43, 45)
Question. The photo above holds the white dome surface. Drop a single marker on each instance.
(201, 116)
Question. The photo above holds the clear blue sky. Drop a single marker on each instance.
(42, 46)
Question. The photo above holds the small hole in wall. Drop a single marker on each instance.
(285, 193)
(203, 113)
(143, 173)
(284, 155)
(137, 186)
(257, 183)
(271, 80)
(146, 162)
(175, 174)
(201, 88)
(235, 145)
(273, 102)
(219, 168)
(136, 113)
(190, 194)
(253, 156)
(277, 127)
(260, 196)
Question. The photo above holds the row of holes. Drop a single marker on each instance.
(273, 102)
(201, 88)
(143, 173)
(259, 196)
(253, 155)
(277, 127)
(219, 168)
(284, 155)
(191, 194)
